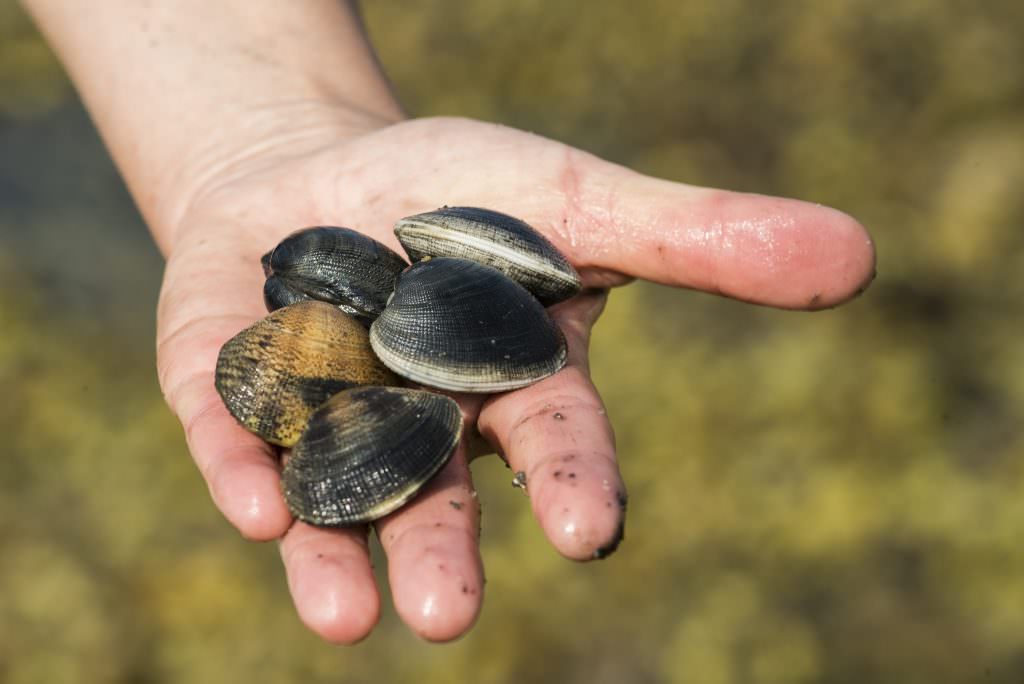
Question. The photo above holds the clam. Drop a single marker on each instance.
(463, 326)
(306, 377)
(336, 265)
(367, 451)
(278, 294)
(274, 374)
(494, 239)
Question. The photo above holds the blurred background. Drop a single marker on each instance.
(827, 497)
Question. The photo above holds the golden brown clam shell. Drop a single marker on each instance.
(274, 374)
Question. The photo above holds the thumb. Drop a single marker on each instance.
(767, 250)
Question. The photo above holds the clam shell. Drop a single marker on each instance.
(464, 326)
(275, 373)
(277, 294)
(366, 452)
(494, 239)
(336, 265)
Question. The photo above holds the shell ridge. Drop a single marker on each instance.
(351, 465)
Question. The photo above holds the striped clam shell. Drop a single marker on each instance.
(463, 326)
(495, 239)
(367, 452)
(331, 264)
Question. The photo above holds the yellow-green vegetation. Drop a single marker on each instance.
(31, 80)
(828, 497)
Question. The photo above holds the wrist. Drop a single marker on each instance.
(189, 94)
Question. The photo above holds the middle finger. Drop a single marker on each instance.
(434, 564)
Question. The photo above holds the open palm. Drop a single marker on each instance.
(613, 224)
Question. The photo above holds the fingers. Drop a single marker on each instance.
(199, 311)
(434, 564)
(767, 250)
(557, 433)
(240, 469)
(612, 221)
(330, 577)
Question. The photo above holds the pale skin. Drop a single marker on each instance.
(236, 122)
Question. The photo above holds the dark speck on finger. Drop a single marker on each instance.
(609, 548)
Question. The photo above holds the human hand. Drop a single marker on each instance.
(613, 224)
